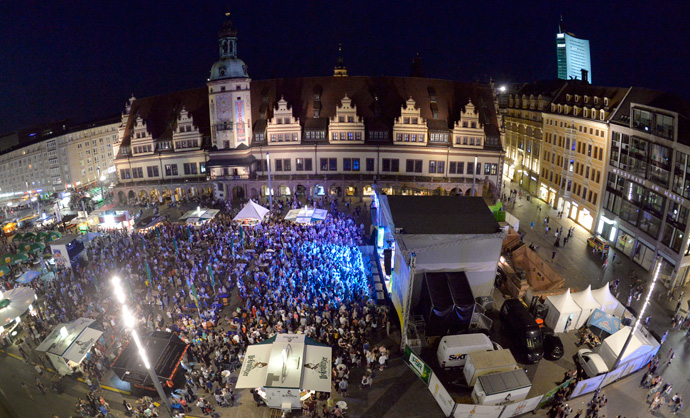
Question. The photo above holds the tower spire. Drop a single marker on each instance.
(340, 70)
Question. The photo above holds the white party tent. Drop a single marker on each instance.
(608, 302)
(252, 213)
(561, 307)
(641, 344)
(587, 303)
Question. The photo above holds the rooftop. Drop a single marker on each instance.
(427, 215)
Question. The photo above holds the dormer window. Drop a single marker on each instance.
(414, 121)
(596, 100)
(473, 125)
(351, 119)
(577, 98)
(606, 101)
(568, 97)
(464, 124)
(586, 99)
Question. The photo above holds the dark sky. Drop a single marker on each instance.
(82, 62)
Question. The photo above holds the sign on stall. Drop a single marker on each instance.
(522, 407)
(443, 398)
(417, 365)
(463, 410)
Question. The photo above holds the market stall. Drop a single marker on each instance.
(563, 312)
(587, 304)
(285, 369)
(198, 216)
(69, 343)
(608, 302)
(251, 214)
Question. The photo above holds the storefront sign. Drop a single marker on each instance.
(668, 194)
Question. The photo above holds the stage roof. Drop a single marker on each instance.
(164, 349)
(429, 215)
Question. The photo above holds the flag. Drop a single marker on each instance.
(210, 273)
(158, 232)
(189, 231)
(148, 272)
(195, 296)
(177, 250)
(232, 245)
(242, 236)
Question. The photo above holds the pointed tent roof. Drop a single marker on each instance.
(252, 212)
(607, 301)
(564, 302)
(585, 300)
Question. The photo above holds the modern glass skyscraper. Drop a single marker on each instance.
(573, 56)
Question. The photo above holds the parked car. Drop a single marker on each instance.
(523, 328)
(591, 362)
(553, 346)
(598, 243)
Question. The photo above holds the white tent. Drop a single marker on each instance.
(640, 345)
(251, 213)
(587, 303)
(608, 302)
(68, 344)
(562, 311)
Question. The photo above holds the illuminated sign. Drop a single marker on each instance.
(239, 119)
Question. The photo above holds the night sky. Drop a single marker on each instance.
(60, 61)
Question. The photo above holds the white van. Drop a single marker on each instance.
(453, 349)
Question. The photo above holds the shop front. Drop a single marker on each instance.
(585, 219)
(644, 254)
(574, 209)
(607, 228)
(625, 242)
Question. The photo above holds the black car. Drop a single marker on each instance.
(553, 346)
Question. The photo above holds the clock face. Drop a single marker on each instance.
(223, 107)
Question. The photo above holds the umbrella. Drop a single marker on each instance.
(28, 276)
(54, 235)
(42, 235)
(19, 258)
(36, 248)
(6, 258)
(4, 270)
(48, 276)
(18, 236)
(15, 302)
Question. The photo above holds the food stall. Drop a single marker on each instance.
(198, 216)
(251, 214)
(286, 369)
(306, 215)
(118, 219)
(69, 343)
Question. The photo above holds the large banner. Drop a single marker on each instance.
(522, 407)
(477, 411)
(400, 284)
(548, 396)
(239, 120)
(443, 398)
(586, 386)
(417, 365)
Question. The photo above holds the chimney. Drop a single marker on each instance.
(584, 75)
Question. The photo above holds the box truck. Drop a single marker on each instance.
(453, 349)
(501, 388)
(486, 362)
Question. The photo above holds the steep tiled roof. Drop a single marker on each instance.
(581, 88)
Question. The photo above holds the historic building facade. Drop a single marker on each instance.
(316, 136)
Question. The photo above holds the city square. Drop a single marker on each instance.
(308, 241)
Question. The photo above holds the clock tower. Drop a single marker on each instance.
(229, 93)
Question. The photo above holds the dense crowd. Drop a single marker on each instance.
(282, 277)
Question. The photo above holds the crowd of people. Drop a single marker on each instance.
(285, 277)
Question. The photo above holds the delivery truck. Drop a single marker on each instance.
(501, 388)
(453, 349)
(486, 362)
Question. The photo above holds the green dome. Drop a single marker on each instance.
(229, 67)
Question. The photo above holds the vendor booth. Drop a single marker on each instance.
(603, 324)
(641, 344)
(563, 312)
(198, 216)
(165, 350)
(608, 302)
(285, 369)
(587, 304)
(69, 343)
(306, 215)
(114, 220)
(251, 214)
(66, 250)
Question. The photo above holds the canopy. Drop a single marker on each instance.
(48, 276)
(36, 248)
(4, 270)
(16, 302)
(287, 361)
(54, 235)
(562, 311)
(608, 302)
(604, 322)
(28, 276)
(74, 342)
(17, 237)
(587, 303)
(19, 259)
(306, 215)
(6, 258)
(251, 213)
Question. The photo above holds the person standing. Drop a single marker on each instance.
(40, 386)
(28, 391)
(343, 387)
(553, 255)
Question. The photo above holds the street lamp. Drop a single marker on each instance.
(130, 324)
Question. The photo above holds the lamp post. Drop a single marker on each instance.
(270, 190)
(656, 270)
(130, 323)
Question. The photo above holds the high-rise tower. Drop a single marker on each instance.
(573, 56)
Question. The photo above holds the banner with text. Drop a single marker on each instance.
(518, 408)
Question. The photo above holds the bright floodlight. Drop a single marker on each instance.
(502, 88)
(502, 259)
(142, 353)
(117, 289)
(103, 178)
(2, 329)
(31, 308)
(63, 332)
(18, 319)
(127, 317)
